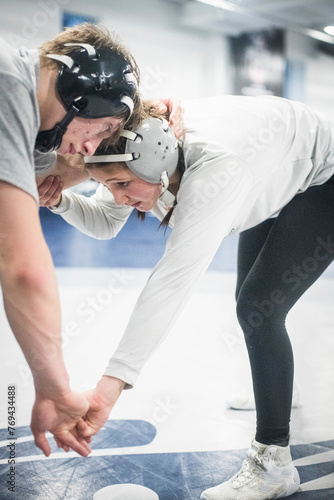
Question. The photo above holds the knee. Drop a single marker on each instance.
(255, 313)
(249, 318)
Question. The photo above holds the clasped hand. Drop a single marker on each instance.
(74, 418)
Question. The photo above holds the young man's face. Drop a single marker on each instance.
(84, 135)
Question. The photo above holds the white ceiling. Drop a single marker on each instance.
(239, 16)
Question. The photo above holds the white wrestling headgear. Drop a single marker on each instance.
(151, 152)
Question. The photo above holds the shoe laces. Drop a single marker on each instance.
(251, 467)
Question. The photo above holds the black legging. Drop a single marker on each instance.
(278, 261)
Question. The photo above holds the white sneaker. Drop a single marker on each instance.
(246, 401)
(266, 473)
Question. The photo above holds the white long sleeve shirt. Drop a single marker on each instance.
(246, 158)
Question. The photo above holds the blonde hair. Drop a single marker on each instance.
(115, 143)
(98, 36)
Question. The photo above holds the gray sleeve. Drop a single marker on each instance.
(44, 161)
(18, 125)
(97, 216)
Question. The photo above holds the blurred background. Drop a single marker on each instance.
(186, 47)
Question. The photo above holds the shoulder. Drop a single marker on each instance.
(18, 64)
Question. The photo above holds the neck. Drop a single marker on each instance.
(50, 109)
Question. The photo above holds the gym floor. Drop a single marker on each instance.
(173, 433)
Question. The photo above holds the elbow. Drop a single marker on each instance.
(33, 277)
(105, 236)
(108, 232)
(97, 235)
(26, 275)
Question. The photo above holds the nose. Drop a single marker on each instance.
(119, 197)
(88, 148)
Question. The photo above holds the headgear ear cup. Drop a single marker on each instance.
(154, 151)
(151, 152)
(91, 83)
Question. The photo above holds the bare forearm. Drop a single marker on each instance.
(33, 311)
(70, 169)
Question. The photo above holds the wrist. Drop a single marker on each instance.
(110, 388)
(52, 387)
(56, 205)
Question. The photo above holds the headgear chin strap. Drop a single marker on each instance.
(151, 152)
(50, 140)
(91, 83)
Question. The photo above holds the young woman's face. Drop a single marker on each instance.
(127, 188)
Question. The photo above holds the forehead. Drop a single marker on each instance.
(110, 171)
(110, 119)
(105, 122)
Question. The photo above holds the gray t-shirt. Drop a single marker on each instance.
(19, 119)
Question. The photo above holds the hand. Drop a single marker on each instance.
(60, 416)
(173, 104)
(49, 191)
(101, 400)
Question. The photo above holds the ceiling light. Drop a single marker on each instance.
(329, 30)
(222, 4)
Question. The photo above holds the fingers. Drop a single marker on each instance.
(42, 443)
(72, 440)
(66, 448)
(176, 117)
(159, 105)
(81, 440)
(174, 106)
(50, 191)
(85, 431)
(60, 444)
(81, 425)
(178, 130)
